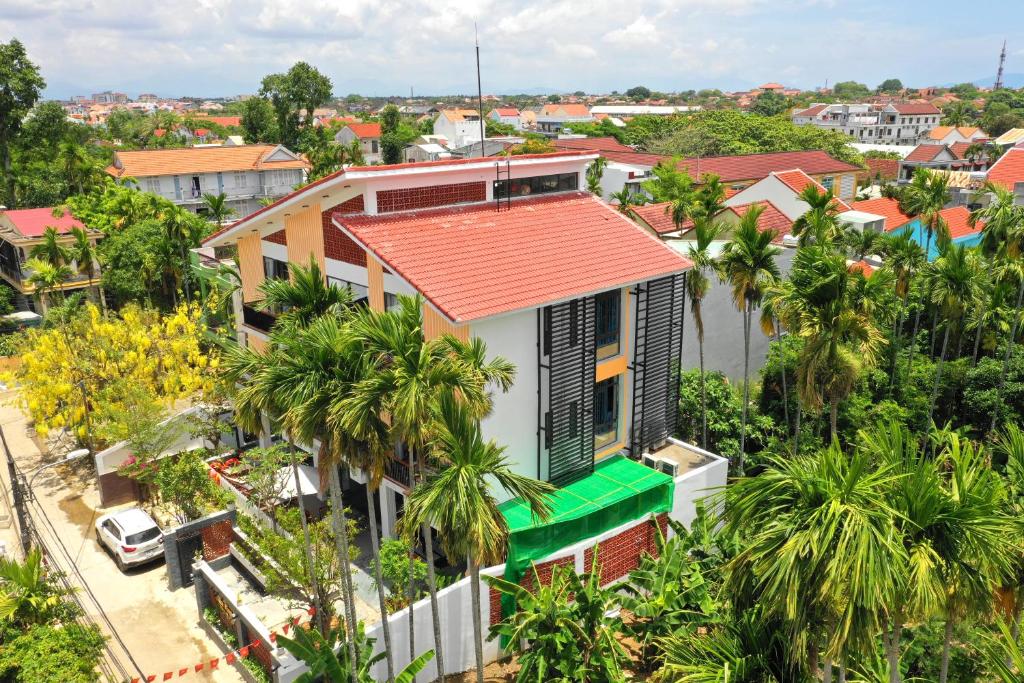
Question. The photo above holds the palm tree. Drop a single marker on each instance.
(217, 206)
(862, 243)
(27, 596)
(957, 113)
(594, 174)
(820, 549)
(50, 248)
(903, 258)
(305, 296)
(457, 500)
(625, 198)
(748, 263)
(83, 252)
(819, 223)
(954, 284)
(408, 376)
(46, 278)
(697, 286)
(351, 155)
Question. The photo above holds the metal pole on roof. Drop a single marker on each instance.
(479, 89)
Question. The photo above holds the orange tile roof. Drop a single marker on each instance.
(886, 207)
(577, 110)
(770, 220)
(507, 111)
(756, 166)
(957, 218)
(659, 217)
(925, 152)
(473, 262)
(940, 132)
(226, 121)
(1008, 169)
(155, 162)
(797, 180)
(459, 114)
(812, 111)
(912, 108)
(365, 130)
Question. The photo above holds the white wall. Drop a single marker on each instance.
(775, 191)
(615, 176)
(697, 484)
(109, 460)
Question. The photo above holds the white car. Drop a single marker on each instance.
(131, 536)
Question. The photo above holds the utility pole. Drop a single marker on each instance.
(999, 74)
(479, 90)
(18, 496)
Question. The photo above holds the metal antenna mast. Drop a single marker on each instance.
(479, 89)
(999, 75)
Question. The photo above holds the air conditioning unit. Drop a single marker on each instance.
(650, 461)
(669, 467)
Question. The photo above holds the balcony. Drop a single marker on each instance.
(257, 319)
(397, 471)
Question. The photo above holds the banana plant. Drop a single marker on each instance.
(329, 662)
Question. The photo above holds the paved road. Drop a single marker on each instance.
(158, 628)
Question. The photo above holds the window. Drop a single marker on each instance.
(358, 291)
(606, 412)
(274, 269)
(153, 185)
(240, 179)
(827, 182)
(374, 147)
(390, 301)
(142, 536)
(197, 190)
(541, 184)
(606, 323)
(547, 331)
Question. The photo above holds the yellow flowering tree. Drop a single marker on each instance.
(77, 374)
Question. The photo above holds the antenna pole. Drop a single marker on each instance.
(479, 89)
(999, 75)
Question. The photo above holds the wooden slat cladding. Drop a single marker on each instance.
(375, 282)
(435, 325)
(304, 236)
(569, 343)
(656, 356)
(250, 266)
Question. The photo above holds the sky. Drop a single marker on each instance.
(385, 47)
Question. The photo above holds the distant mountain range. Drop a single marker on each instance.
(1009, 81)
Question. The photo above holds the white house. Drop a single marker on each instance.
(368, 135)
(459, 126)
(507, 115)
(892, 124)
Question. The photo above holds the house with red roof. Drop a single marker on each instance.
(553, 118)
(507, 115)
(1008, 171)
(368, 135)
(941, 156)
(782, 190)
(890, 123)
(21, 230)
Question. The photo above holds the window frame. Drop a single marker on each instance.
(608, 388)
(608, 343)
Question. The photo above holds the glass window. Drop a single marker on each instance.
(358, 291)
(239, 179)
(827, 182)
(606, 412)
(142, 536)
(373, 147)
(390, 301)
(606, 323)
(153, 185)
(543, 184)
(274, 269)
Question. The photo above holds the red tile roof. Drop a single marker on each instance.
(886, 168)
(959, 149)
(186, 160)
(659, 217)
(757, 166)
(226, 121)
(507, 111)
(916, 108)
(957, 221)
(770, 220)
(886, 207)
(33, 222)
(365, 130)
(472, 262)
(796, 180)
(605, 144)
(925, 152)
(572, 110)
(1008, 169)
(812, 111)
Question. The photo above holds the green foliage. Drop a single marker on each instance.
(21, 85)
(43, 653)
(562, 630)
(30, 595)
(923, 651)
(184, 485)
(880, 154)
(724, 415)
(890, 86)
(638, 93)
(258, 122)
(850, 90)
(769, 103)
(293, 96)
(394, 567)
(391, 142)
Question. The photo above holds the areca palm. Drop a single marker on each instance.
(697, 286)
(819, 223)
(305, 296)
(46, 277)
(626, 198)
(27, 596)
(748, 264)
(862, 243)
(50, 248)
(903, 258)
(83, 252)
(594, 174)
(409, 376)
(80, 170)
(217, 206)
(457, 500)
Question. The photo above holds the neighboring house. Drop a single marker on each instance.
(425, 151)
(368, 135)
(941, 156)
(492, 147)
(552, 118)
(1008, 171)
(1010, 138)
(782, 189)
(619, 110)
(554, 280)
(459, 126)
(895, 220)
(657, 218)
(507, 115)
(947, 135)
(20, 231)
(890, 124)
(244, 173)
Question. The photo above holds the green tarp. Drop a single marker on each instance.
(619, 491)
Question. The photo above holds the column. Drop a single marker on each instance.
(388, 512)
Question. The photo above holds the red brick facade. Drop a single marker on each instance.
(278, 237)
(216, 539)
(617, 556)
(426, 197)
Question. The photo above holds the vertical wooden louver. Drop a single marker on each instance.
(571, 357)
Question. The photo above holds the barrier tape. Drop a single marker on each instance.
(229, 658)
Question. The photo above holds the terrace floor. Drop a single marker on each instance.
(689, 457)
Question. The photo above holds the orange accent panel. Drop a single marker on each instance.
(435, 325)
(304, 236)
(250, 266)
(256, 343)
(610, 368)
(375, 282)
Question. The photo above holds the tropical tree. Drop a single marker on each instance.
(46, 278)
(217, 207)
(958, 113)
(670, 184)
(697, 286)
(820, 222)
(457, 500)
(626, 198)
(305, 296)
(594, 174)
(406, 377)
(862, 243)
(903, 258)
(51, 248)
(27, 594)
(748, 264)
(81, 171)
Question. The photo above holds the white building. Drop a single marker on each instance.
(508, 115)
(890, 124)
(552, 118)
(245, 174)
(368, 135)
(459, 126)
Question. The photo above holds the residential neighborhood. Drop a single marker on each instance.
(400, 344)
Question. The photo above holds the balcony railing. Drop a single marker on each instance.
(397, 471)
(257, 319)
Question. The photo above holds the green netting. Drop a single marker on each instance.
(619, 491)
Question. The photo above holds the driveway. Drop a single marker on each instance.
(153, 630)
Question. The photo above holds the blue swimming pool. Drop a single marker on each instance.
(920, 235)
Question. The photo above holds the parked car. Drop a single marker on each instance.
(131, 536)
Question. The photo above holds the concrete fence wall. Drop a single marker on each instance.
(210, 537)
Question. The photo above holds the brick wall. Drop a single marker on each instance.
(426, 197)
(338, 245)
(216, 539)
(278, 237)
